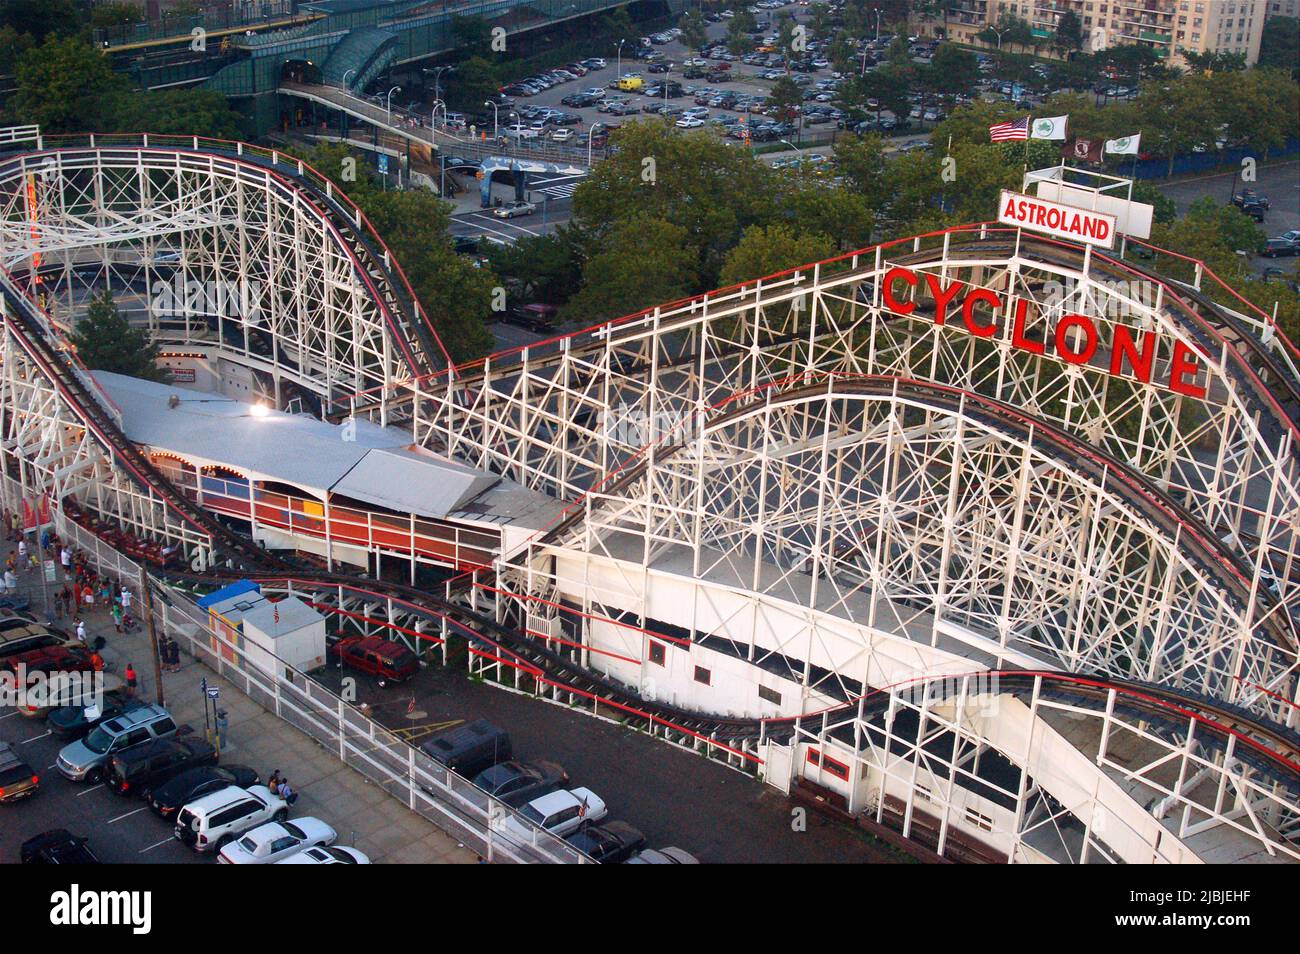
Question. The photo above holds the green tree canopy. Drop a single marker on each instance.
(642, 261)
(106, 341)
(61, 85)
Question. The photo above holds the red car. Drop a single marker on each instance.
(389, 661)
(50, 659)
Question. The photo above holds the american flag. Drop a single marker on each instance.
(1007, 132)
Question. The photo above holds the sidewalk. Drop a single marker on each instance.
(364, 815)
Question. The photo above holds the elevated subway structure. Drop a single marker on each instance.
(774, 508)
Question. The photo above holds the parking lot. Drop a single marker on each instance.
(674, 797)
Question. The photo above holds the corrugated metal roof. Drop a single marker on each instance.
(364, 461)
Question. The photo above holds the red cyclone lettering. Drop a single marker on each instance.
(887, 292)
(1018, 339)
(968, 311)
(942, 297)
(1182, 365)
(1084, 323)
(1125, 350)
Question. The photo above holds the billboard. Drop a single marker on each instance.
(1063, 221)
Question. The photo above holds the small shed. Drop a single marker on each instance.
(227, 608)
(284, 635)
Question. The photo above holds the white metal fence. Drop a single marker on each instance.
(446, 799)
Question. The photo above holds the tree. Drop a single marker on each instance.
(1214, 61)
(1177, 116)
(39, 18)
(694, 29)
(1067, 38)
(766, 250)
(890, 88)
(785, 96)
(60, 84)
(952, 70)
(642, 262)
(474, 82)
(115, 14)
(861, 163)
(105, 341)
(709, 189)
(1279, 47)
(471, 36)
(12, 46)
(174, 112)
(547, 268)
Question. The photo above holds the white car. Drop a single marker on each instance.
(690, 122)
(276, 840)
(562, 135)
(512, 209)
(520, 131)
(561, 813)
(327, 855)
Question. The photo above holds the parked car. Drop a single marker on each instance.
(326, 855)
(73, 722)
(389, 662)
(58, 846)
(139, 770)
(19, 635)
(87, 759)
(276, 841)
(17, 779)
(216, 819)
(1249, 196)
(1275, 247)
(517, 783)
(664, 856)
(561, 813)
(468, 749)
(609, 844)
(1255, 210)
(192, 784)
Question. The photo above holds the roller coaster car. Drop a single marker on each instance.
(388, 661)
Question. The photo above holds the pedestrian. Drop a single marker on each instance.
(22, 553)
(287, 793)
(81, 631)
(11, 581)
(274, 783)
(97, 661)
(11, 561)
(126, 600)
(130, 680)
(117, 617)
(65, 599)
(65, 557)
(173, 655)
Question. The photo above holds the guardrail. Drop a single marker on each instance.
(445, 799)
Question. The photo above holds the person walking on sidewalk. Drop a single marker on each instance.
(130, 680)
(22, 553)
(117, 617)
(81, 632)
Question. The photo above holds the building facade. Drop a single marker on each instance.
(1167, 26)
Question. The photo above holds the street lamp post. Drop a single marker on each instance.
(437, 78)
(798, 153)
(433, 117)
(877, 12)
(389, 107)
(591, 139)
(999, 36)
(345, 78)
(496, 124)
(620, 58)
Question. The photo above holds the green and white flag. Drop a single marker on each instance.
(1048, 127)
(1124, 146)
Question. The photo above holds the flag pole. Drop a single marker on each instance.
(1029, 131)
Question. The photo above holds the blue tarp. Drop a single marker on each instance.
(226, 592)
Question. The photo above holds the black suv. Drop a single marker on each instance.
(141, 768)
(192, 784)
(57, 846)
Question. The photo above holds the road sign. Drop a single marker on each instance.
(214, 693)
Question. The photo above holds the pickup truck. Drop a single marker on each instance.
(17, 780)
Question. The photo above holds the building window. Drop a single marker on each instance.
(657, 653)
(838, 769)
(770, 695)
(702, 675)
(814, 757)
(923, 793)
(979, 820)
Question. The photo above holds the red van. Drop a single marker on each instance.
(390, 662)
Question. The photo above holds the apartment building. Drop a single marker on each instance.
(1168, 26)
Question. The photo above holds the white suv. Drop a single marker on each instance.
(214, 820)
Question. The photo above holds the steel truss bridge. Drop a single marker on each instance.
(990, 536)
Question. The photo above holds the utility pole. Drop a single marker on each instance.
(146, 597)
